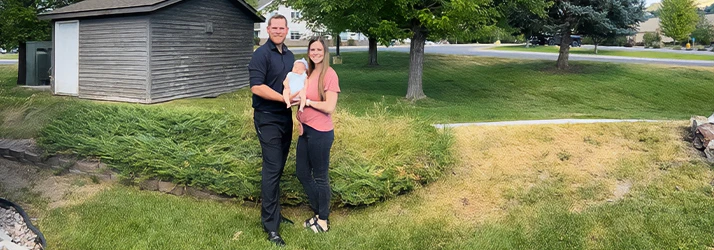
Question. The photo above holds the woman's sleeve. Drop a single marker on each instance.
(332, 82)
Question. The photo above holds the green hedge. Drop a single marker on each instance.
(373, 158)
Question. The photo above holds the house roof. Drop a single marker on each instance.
(95, 8)
(652, 24)
(263, 3)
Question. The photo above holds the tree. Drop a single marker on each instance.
(362, 16)
(424, 19)
(590, 17)
(524, 20)
(678, 18)
(704, 31)
(19, 23)
(612, 18)
(709, 9)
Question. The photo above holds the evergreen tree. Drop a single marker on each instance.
(612, 18)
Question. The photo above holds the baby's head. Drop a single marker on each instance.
(300, 66)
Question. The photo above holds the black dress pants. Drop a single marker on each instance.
(274, 131)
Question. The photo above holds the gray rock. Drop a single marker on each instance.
(4, 236)
(87, 166)
(18, 154)
(6, 245)
(151, 185)
(33, 157)
(4, 152)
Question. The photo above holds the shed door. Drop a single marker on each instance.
(67, 58)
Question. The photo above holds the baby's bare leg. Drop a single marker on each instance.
(303, 99)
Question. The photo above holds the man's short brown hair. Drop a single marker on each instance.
(277, 16)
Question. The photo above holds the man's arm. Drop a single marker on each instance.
(266, 93)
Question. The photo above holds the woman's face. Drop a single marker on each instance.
(317, 52)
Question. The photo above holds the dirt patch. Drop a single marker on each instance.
(497, 164)
(39, 188)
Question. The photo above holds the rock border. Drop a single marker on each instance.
(26, 151)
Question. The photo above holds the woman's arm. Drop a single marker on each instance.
(327, 106)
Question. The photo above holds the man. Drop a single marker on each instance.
(273, 121)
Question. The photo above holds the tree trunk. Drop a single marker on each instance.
(564, 49)
(416, 62)
(337, 45)
(528, 39)
(596, 48)
(373, 51)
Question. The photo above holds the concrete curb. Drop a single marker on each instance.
(541, 122)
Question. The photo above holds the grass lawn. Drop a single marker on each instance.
(601, 186)
(469, 89)
(8, 56)
(653, 53)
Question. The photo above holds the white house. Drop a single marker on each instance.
(298, 31)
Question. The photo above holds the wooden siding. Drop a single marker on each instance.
(113, 59)
(186, 61)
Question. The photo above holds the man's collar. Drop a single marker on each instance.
(274, 47)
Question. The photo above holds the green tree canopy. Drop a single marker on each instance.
(678, 18)
(19, 23)
(704, 31)
(612, 18)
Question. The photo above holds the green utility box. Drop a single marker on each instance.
(38, 59)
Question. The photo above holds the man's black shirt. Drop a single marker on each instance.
(268, 66)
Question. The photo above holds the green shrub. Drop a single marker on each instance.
(351, 42)
(373, 157)
(652, 39)
(256, 40)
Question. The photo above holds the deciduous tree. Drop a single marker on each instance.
(678, 18)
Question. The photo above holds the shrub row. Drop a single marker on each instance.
(373, 158)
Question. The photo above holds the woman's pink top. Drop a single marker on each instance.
(312, 117)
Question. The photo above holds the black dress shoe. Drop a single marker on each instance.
(275, 238)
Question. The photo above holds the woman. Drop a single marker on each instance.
(317, 135)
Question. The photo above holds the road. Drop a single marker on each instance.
(483, 50)
(7, 61)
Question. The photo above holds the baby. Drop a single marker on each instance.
(295, 84)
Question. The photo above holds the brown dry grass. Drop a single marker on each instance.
(40, 188)
(597, 163)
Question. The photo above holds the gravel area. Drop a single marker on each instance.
(13, 227)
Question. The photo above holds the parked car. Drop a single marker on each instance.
(576, 41)
(3, 51)
(554, 40)
(14, 51)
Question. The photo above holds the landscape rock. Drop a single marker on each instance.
(14, 233)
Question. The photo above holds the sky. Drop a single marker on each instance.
(648, 2)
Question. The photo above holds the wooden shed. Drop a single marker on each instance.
(150, 51)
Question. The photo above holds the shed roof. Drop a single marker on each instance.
(94, 8)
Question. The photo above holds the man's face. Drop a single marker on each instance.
(277, 30)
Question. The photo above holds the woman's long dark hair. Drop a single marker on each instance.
(325, 65)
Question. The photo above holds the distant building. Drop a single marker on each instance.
(652, 25)
(298, 31)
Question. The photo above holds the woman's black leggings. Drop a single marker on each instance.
(313, 162)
